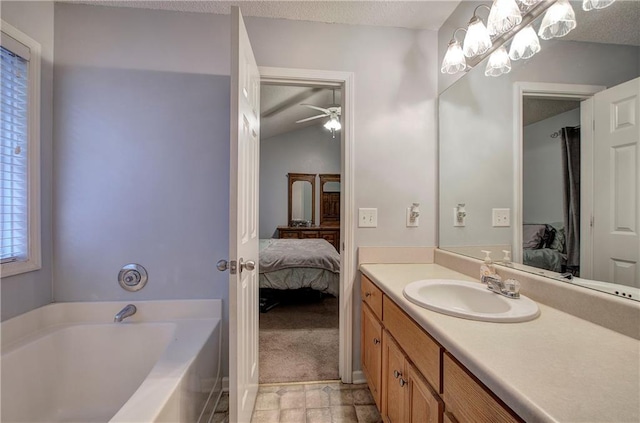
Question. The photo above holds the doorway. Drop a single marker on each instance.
(342, 83)
(299, 214)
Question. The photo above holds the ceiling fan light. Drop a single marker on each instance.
(503, 17)
(525, 44)
(454, 60)
(558, 21)
(498, 63)
(477, 40)
(588, 5)
(333, 124)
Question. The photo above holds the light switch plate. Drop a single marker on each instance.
(367, 218)
(501, 217)
(412, 223)
(456, 222)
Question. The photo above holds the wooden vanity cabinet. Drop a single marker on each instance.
(371, 352)
(406, 395)
(468, 399)
(408, 370)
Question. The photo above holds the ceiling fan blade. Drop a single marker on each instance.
(311, 106)
(311, 118)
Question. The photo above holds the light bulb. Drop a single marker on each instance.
(333, 124)
(454, 60)
(525, 44)
(558, 20)
(596, 4)
(498, 63)
(477, 40)
(503, 17)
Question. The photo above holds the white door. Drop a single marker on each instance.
(243, 224)
(616, 245)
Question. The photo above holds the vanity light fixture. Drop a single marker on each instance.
(525, 44)
(588, 5)
(558, 21)
(498, 63)
(477, 40)
(529, 3)
(503, 17)
(454, 60)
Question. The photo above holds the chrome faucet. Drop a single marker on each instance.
(509, 288)
(129, 310)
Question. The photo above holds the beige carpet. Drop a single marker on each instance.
(299, 342)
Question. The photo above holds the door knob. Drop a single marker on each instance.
(402, 382)
(396, 374)
(223, 265)
(247, 265)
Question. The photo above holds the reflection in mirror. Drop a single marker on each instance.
(330, 200)
(302, 201)
(501, 147)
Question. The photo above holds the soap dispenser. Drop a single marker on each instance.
(487, 268)
(506, 260)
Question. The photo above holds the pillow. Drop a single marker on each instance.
(533, 236)
(558, 240)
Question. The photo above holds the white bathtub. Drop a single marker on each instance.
(68, 362)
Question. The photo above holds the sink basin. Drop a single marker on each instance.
(469, 300)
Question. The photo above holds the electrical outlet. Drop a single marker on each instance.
(501, 217)
(459, 220)
(412, 223)
(367, 218)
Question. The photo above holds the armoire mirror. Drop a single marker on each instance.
(302, 199)
(481, 165)
(329, 199)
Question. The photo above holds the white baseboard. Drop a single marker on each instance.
(358, 377)
(225, 384)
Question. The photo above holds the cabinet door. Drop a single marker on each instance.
(394, 381)
(371, 348)
(424, 404)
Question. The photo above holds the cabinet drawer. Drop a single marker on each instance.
(371, 295)
(309, 234)
(423, 350)
(289, 234)
(467, 399)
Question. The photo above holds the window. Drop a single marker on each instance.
(19, 152)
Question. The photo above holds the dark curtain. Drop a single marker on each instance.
(571, 179)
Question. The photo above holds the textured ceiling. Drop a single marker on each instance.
(423, 14)
(616, 24)
(535, 109)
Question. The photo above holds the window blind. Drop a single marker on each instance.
(14, 110)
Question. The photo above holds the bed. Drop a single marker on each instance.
(543, 246)
(287, 264)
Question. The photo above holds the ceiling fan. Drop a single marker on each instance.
(332, 111)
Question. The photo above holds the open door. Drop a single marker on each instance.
(243, 224)
(616, 244)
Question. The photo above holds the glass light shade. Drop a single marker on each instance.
(529, 3)
(477, 40)
(558, 20)
(503, 17)
(498, 63)
(525, 44)
(454, 60)
(333, 124)
(596, 4)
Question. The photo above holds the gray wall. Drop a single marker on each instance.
(542, 186)
(106, 215)
(307, 150)
(476, 130)
(24, 292)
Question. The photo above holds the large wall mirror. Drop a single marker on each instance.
(302, 201)
(524, 145)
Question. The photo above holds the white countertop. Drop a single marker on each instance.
(556, 368)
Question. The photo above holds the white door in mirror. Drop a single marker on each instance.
(469, 300)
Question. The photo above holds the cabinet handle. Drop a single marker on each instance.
(367, 294)
(376, 341)
(396, 374)
(402, 382)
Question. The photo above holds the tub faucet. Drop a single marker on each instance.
(129, 310)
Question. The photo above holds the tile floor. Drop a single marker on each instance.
(324, 402)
